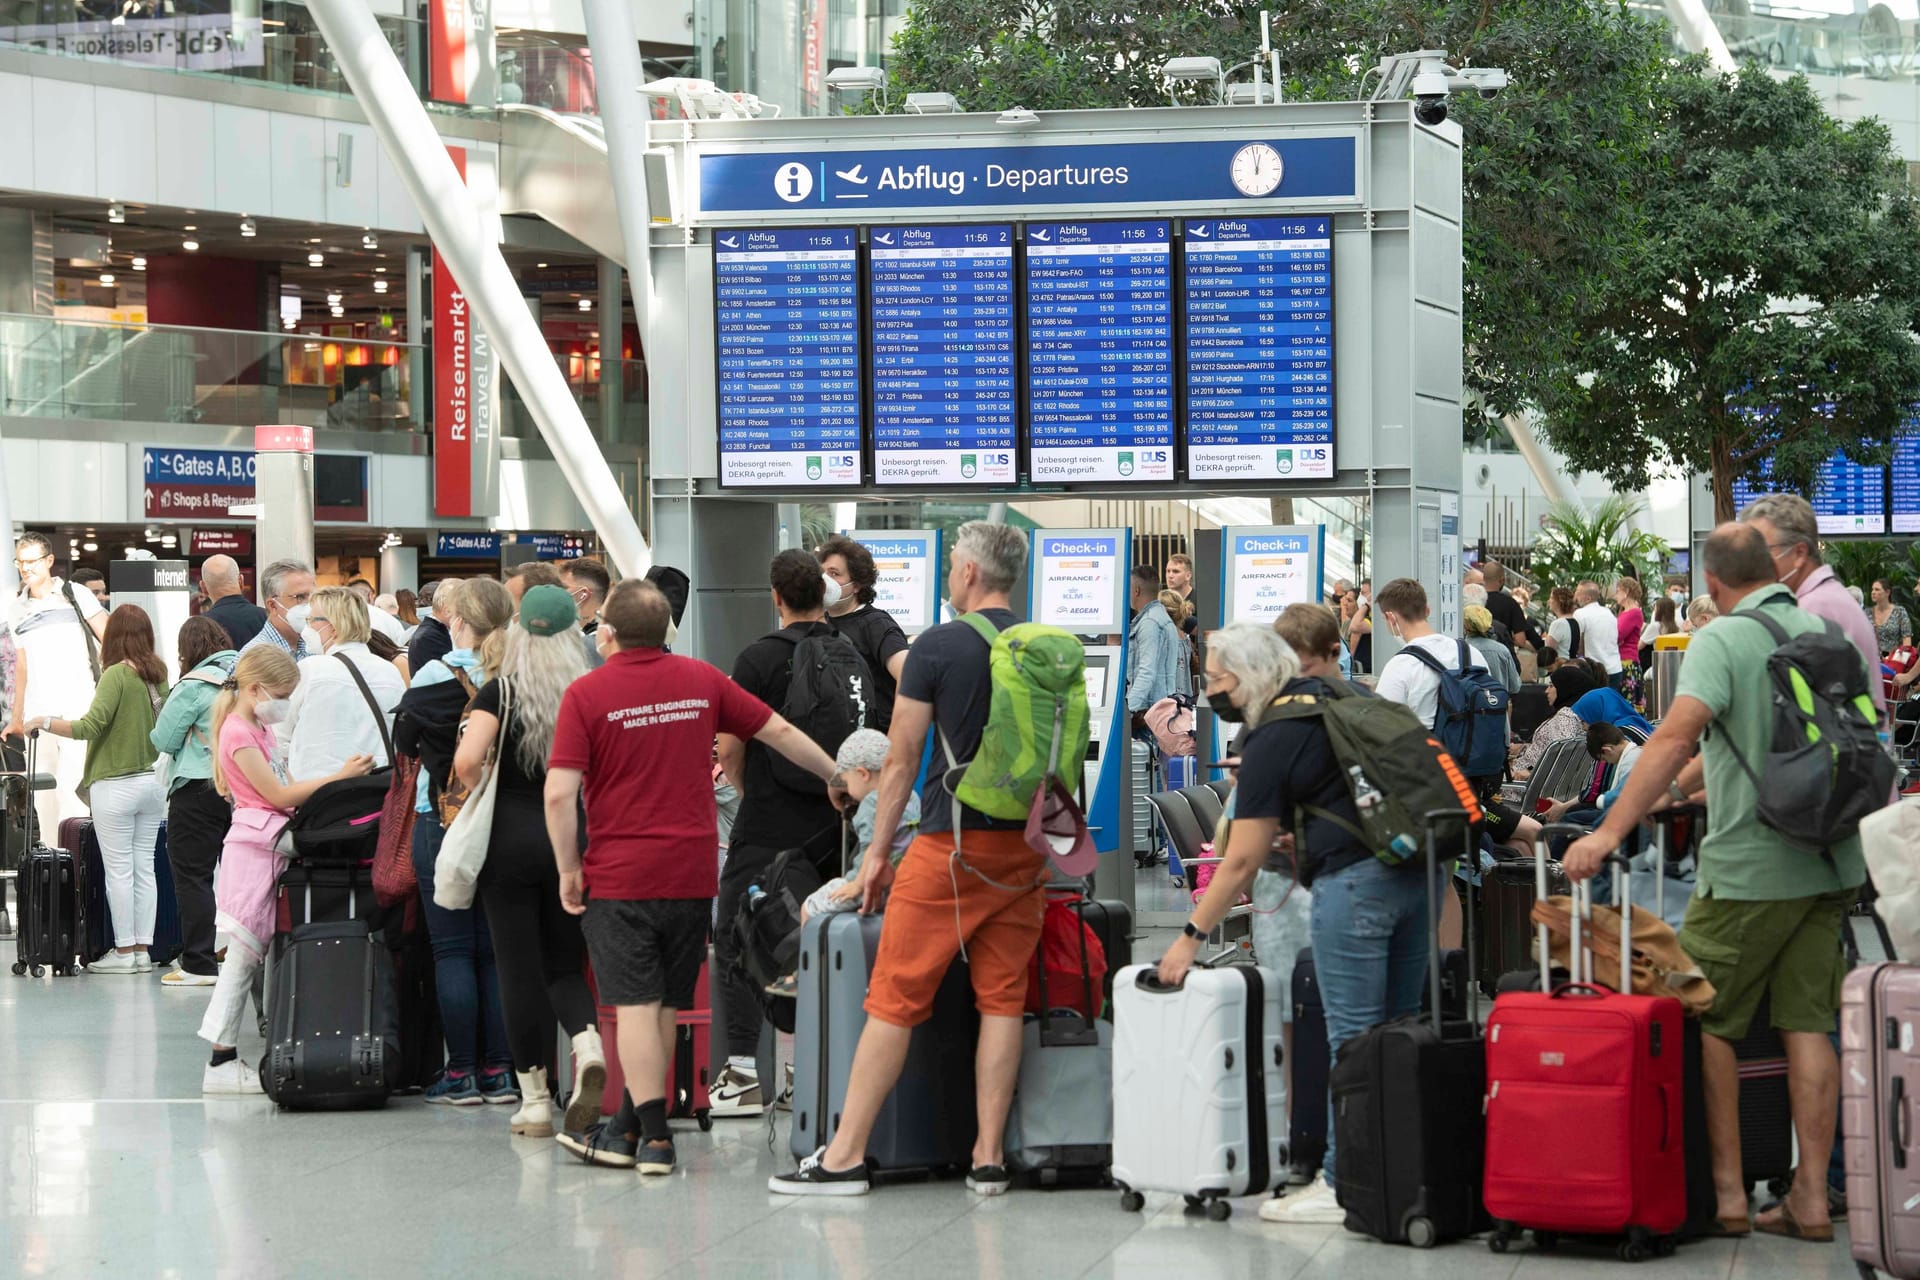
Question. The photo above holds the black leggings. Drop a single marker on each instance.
(540, 955)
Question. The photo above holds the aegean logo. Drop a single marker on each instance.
(793, 182)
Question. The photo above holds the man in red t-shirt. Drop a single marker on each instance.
(639, 734)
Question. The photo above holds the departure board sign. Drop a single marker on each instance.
(1100, 351)
(943, 355)
(1259, 348)
(1847, 497)
(1906, 480)
(787, 320)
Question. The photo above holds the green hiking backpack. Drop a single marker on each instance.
(1036, 720)
(1395, 768)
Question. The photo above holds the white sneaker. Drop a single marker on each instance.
(734, 1093)
(181, 978)
(231, 1078)
(144, 959)
(116, 962)
(1314, 1205)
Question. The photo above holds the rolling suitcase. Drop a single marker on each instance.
(1112, 922)
(166, 945)
(1507, 895)
(323, 893)
(1312, 1063)
(96, 936)
(1199, 1097)
(333, 1018)
(688, 1068)
(1061, 1121)
(1604, 1070)
(929, 1121)
(1879, 1080)
(1405, 1105)
(53, 891)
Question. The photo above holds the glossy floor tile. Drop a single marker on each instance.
(111, 1165)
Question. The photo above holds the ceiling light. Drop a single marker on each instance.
(189, 227)
(315, 240)
(541, 265)
(169, 540)
(316, 260)
(379, 271)
(338, 312)
(106, 277)
(89, 546)
(369, 241)
(287, 322)
(379, 286)
(116, 213)
(139, 264)
(333, 299)
(586, 304)
(247, 229)
(191, 246)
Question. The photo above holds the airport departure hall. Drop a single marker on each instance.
(824, 638)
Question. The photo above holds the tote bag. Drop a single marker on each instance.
(463, 851)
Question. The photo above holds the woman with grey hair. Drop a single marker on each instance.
(1370, 939)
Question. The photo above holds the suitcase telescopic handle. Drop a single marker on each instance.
(1433, 819)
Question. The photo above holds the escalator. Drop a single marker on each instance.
(553, 165)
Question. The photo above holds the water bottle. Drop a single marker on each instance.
(1367, 798)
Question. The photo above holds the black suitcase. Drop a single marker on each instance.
(1307, 1078)
(1407, 1116)
(1527, 710)
(53, 914)
(1766, 1109)
(324, 893)
(19, 832)
(1112, 922)
(333, 1019)
(1505, 922)
(166, 945)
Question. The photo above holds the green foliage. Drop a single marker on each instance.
(1576, 544)
(1857, 563)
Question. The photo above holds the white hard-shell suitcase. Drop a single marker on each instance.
(1199, 1098)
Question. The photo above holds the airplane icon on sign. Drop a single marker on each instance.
(852, 175)
(1199, 229)
(884, 237)
(1041, 233)
(731, 242)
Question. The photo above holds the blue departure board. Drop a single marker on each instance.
(943, 355)
(1847, 497)
(1906, 480)
(1259, 348)
(1100, 351)
(787, 320)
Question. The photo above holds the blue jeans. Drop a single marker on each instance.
(1371, 944)
(465, 981)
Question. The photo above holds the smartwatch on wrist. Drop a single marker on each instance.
(1189, 930)
(1679, 796)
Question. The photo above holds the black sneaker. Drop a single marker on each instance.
(988, 1180)
(813, 1179)
(598, 1144)
(656, 1156)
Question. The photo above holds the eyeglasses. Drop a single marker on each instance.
(21, 564)
(1777, 549)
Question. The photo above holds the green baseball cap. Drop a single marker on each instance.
(547, 611)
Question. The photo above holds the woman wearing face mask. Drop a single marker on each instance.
(427, 727)
(1369, 919)
(250, 703)
(346, 697)
(539, 945)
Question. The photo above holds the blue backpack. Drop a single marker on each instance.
(1470, 716)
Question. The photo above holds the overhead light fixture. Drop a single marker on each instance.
(316, 260)
(379, 271)
(541, 265)
(1017, 117)
(189, 227)
(247, 229)
(1250, 95)
(116, 213)
(339, 312)
(932, 104)
(586, 304)
(169, 540)
(139, 264)
(191, 246)
(315, 240)
(89, 546)
(856, 79)
(1195, 70)
(379, 286)
(369, 241)
(106, 277)
(333, 299)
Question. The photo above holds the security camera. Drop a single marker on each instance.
(1430, 97)
(1486, 81)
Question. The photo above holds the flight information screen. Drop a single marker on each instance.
(943, 355)
(787, 316)
(1100, 351)
(1847, 498)
(1259, 348)
(1906, 480)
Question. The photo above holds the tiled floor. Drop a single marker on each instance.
(112, 1166)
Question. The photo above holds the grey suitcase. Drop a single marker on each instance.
(1061, 1121)
(928, 1123)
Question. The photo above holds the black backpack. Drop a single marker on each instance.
(340, 822)
(766, 927)
(1825, 768)
(830, 695)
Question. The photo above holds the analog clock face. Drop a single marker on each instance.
(1256, 169)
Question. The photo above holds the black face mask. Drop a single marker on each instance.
(1223, 707)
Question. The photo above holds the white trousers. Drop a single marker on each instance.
(127, 813)
(232, 996)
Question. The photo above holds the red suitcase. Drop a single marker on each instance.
(1603, 1070)
(1879, 1082)
(691, 1061)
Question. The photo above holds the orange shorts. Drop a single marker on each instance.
(922, 932)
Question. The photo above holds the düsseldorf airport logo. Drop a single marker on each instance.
(793, 182)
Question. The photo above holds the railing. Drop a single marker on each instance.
(270, 41)
(629, 424)
(55, 368)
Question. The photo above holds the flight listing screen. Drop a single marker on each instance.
(787, 318)
(1906, 480)
(1848, 498)
(943, 355)
(1259, 348)
(1100, 351)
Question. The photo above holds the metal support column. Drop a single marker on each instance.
(612, 342)
(624, 114)
(393, 108)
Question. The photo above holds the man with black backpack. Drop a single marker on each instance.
(818, 681)
(1792, 764)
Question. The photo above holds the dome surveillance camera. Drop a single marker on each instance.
(1430, 97)
(1486, 81)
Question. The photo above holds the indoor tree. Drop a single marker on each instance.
(1577, 543)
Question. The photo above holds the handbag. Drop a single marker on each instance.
(394, 879)
(453, 794)
(463, 851)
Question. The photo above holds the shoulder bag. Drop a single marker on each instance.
(463, 851)
(86, 629)
(373, 704)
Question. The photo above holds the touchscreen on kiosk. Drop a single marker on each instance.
(1100, 351)
(941, 303)
(787, 350)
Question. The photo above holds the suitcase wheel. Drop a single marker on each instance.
(1132, 1201)
(1219, 1210)
(1420, 1233)
(1502, 1238)
(19, 967)
(1637, 1247)
(37, 970)
(704, 1119)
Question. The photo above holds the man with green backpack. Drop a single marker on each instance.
(1005, 705)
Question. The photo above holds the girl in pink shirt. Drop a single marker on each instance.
(252, 701)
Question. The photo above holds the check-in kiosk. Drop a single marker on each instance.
(1263, 569)
(1077, 581)
(909, 567)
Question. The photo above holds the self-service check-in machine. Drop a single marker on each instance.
(909, 566)
(1263, 569)
(1077, 581)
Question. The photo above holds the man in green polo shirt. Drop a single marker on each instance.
(1766, 917)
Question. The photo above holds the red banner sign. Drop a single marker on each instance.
(448, 23)
(452, 386)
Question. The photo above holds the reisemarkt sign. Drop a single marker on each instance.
(201, 42)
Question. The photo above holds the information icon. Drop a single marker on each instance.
(793, 182)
